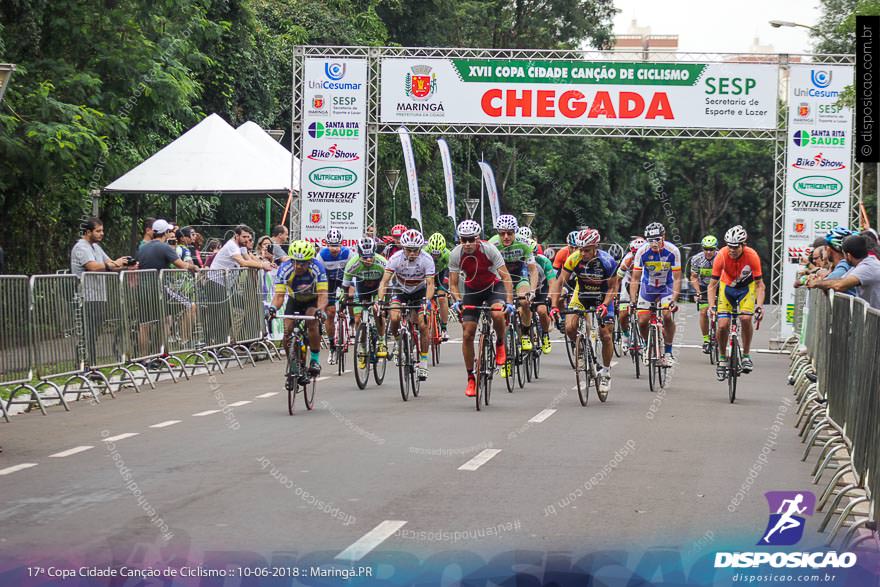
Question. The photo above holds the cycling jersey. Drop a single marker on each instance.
(365, 277)
(480, 268)
(410, 276)
(624, 270)
(657, 267)
(335, 266)
(390, 249)
(593, 275)
(737, 272)
(546, 272)
(701, 268)
(303, 287)
(441, 261)
(560, 257)
(517, 256)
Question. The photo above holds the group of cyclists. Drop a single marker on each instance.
(511, 274)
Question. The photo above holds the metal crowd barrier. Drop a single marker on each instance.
(836, 376)
(68, 335)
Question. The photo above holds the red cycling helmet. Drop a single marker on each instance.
(397, 230)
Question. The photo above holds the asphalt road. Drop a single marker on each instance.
(365, 470)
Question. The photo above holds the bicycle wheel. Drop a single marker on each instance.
(361, 356)
(582, 380)
(520, 361)
(733, 362)
(592, 360)
(434, 333)
(652, 358)
(510, 364)
(636, 349)
(617, 337)
(489, 367)
(570, 350)
(538, 335)
(403, 350)
(291, 383)
(415, 359)
(381, 364)
(479, 369)
(308, 392)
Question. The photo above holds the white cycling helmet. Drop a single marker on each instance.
(367, 247)
(654, 230)
(524, 232)
(412, 239)
(571, 239)
(588, 237)
(736, 235)
(468, 228)
(636, 244)
(334, 237)
(506, 222)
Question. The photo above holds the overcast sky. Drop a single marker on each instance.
(715, 26)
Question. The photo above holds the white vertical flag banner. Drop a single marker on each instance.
(447, 175)
(489, 181)
(410, 162)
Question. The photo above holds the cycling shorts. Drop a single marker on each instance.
(646, 298)
(298, 306)
(495, 294)
(409, 298)
(730, 297)
(589, 303)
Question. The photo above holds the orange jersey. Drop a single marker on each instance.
(560, 258)
(730, 270)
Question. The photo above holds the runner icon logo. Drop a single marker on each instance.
(787, 510)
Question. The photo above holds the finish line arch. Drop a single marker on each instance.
(343, 98)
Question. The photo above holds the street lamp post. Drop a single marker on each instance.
(787, 23)
(392, 176)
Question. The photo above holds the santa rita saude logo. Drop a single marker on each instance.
(820, 138)
(335, 130)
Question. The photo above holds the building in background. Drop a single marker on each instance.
(639, 38)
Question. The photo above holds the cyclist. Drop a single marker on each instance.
(412, 272)
(546, 275)
(738, 268)
(523, 270)
(481, 267)
(361, 278)
(392, 247)
(436, 247)
(334, 257)
(624, 276)
(304, 280)
(524, 233)
(701, 273)
(563, 253)
(656, 277)
(595, 272)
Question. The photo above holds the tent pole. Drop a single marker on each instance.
(174, 208)
(268, 215)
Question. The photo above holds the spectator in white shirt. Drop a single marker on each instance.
(235, 253)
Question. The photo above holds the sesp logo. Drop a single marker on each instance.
(821, 78)
(787, 510)
(334, 71)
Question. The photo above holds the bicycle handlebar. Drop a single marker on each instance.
(303, 317)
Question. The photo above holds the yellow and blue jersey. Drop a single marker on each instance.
(303, 287)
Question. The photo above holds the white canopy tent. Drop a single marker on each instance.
(271, 150)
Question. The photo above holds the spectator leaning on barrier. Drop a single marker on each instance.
(158, 254)
(87, 254)
(198, 243)
(234, 253)
(211, 247)
(865, 272)
(184, 240)
(280, 236)
(148, 231)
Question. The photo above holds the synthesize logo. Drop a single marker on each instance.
(787, 510)
(334, 71)
(421, 84)
(821, 78)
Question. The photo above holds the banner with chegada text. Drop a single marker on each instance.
(559, 92)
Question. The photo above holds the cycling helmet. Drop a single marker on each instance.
(397, 230)
(736, 235)
(534, 245)
(654, 230)
(524, 232)
(301, 251)
(367, 247)
(709, 242)
(506, 222)
(412, 239)
(588, 237)
(469, 228)
(834, 239)
(437, 243)
(636, 244)
(334, 237)
(571, 239)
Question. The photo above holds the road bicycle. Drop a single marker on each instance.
(654, 351)
(516, 356)
(434, 340)
(617, 335)
(341, 337)
(734, 352)
(297, 379)
(484, 361)
(536, 333)
(366, 347)
(407, 350)
(636, 345)
(586, 370)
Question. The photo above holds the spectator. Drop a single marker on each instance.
(280, 236)
(210, 251)
(87, 254)
(148, 231)
(865, 272)
(158, 254)
(184, 241)
(266, 249)
(198, 243)
(234, 253)
(873, 245)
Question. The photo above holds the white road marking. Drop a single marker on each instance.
(15, 468)
(121, 436)
(71, 451)
(322, 378)
(243, 402)
(481, 459)
(542, 415)
(165, 424)
(371, 540)
(614, 363)
(205, 413)
(265, 395)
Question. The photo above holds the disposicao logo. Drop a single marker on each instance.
(786, 524)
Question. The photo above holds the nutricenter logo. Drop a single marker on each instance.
(817, 186)
(334, 178)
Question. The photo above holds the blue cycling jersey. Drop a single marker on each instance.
(657, 267)
(335, 266)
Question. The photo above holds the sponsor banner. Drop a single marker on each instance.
(492, 190)
(409, 160)
(447, 176)
(333, 148)
(579, 93)
(817, 196)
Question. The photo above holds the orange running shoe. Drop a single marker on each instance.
(500, 354)
(471, 389)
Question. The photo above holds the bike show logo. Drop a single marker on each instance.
(785, 527)
(420, 86)
(796, 253)
(820, 138)
(335, 130)
(333, 153)
(334, 178)
(817, 186)
(818, 161)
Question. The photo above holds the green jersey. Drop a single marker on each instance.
(518, 256)
(366, 277)
(546, 272)
(441, 262)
